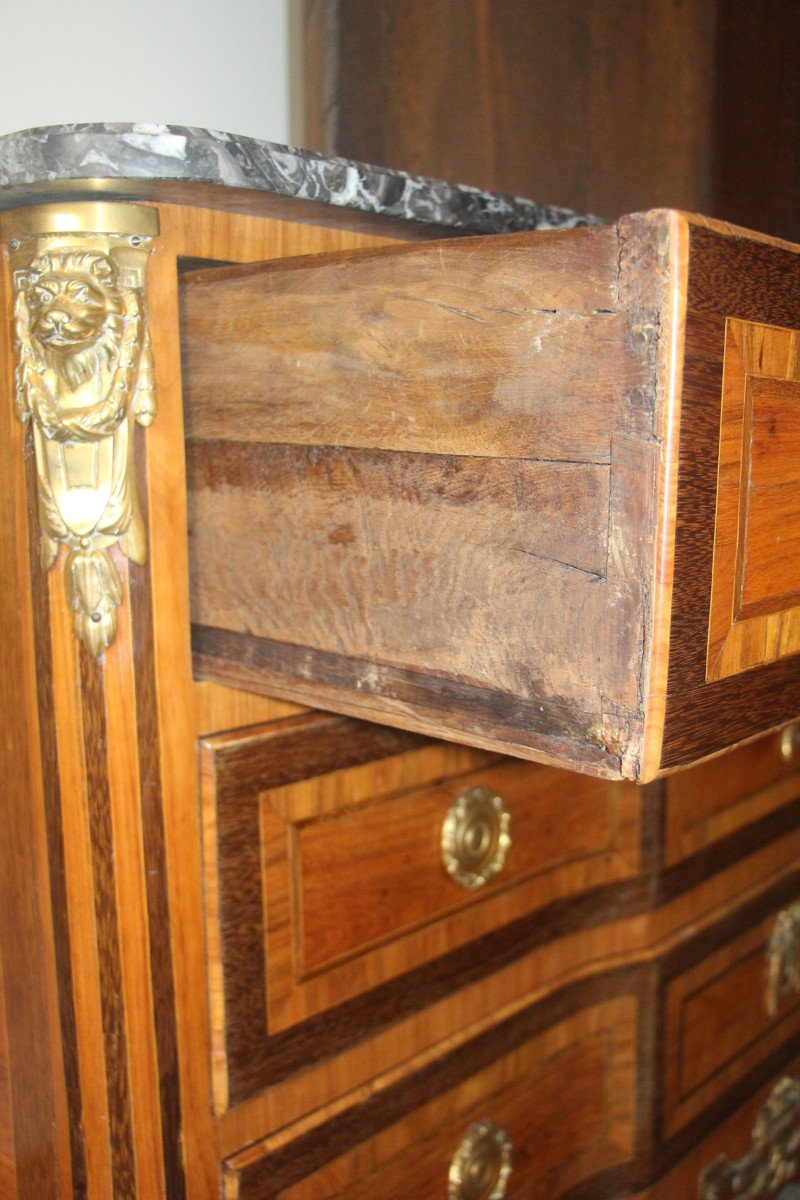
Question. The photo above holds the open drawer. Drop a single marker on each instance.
(539, 493)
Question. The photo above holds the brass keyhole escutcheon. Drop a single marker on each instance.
(476, 836)
(481, 1165)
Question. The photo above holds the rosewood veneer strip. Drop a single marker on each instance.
(160, 926)
(48, 742)
(115, 1039)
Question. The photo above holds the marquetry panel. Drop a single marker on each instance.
(718, 1027)
(737, 430)
(755, 599)
(326, 890)
(563, 1087)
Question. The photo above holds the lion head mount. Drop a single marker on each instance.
(83, 342)
(84, 374)
(75, 309)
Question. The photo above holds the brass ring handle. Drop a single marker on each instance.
(481, 1165)
(476, 836)
(790, 742)
(773, 1158)
(783, 957)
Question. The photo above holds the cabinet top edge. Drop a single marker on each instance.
(190, 165)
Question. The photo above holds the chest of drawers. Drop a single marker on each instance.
(250, 949)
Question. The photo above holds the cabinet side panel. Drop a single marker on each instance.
(30, 1114)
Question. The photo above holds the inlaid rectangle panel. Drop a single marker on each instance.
(755, 616)
(734, 632)
(563, 1095)
(720, 1023)
(330, 907)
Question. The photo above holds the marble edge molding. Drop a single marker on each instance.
(41, 158)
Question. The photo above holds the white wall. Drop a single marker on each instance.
(183, 62)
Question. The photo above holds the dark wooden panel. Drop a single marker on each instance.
(756, 168)
(603, 107)
(409, 83)
(606, 107)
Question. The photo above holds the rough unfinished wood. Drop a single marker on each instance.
(431, 473)
(439, 487)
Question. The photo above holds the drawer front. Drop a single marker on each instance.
(332, 909)
(714, 801)
(751, 1155)
(561, 1087)
(731, 1006)
(735, 629)
(771, 1160)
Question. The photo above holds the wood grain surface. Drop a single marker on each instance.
(493, 403)
(404, 1139)
(128, 1033)
(608, 107)
(184, 709)
(755, 609)
(103, 1053)
(530, 524)
(275, 1011)
(328, 905)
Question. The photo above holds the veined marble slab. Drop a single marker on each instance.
(165, 161)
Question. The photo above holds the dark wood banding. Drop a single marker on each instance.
(267, 1177)
(155, 865)
(115, 1047)
(48, 742)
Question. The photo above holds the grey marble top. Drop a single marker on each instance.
(173, 162)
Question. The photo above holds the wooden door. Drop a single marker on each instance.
(604, 106)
